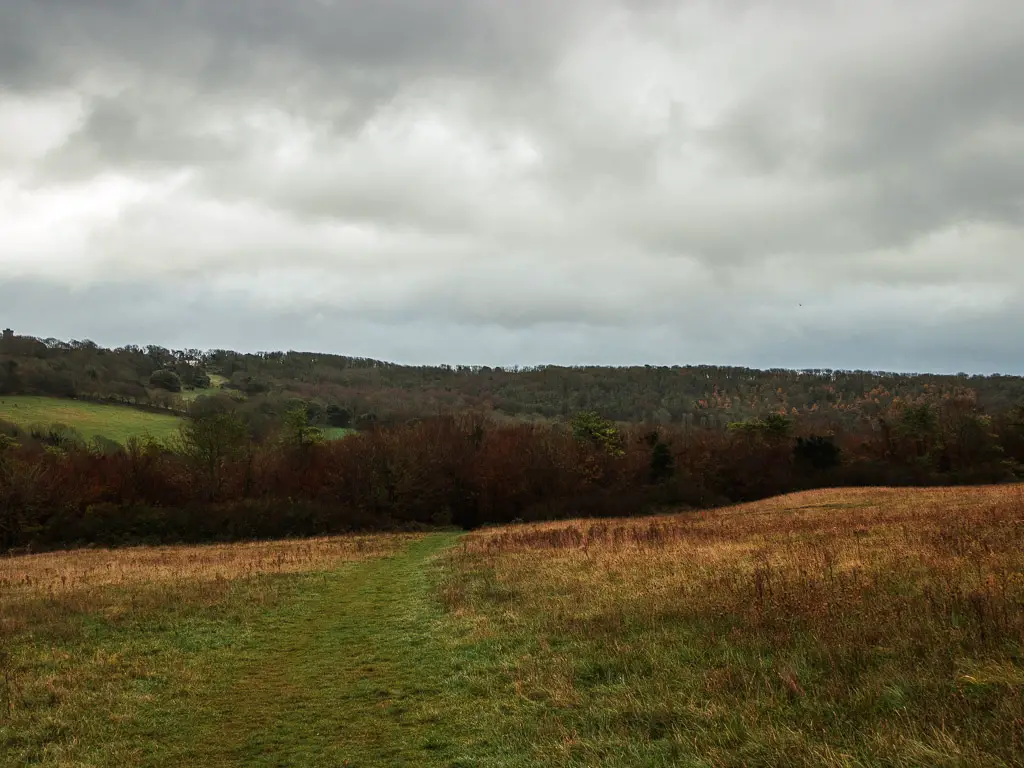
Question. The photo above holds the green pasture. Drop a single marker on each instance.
(115, 422)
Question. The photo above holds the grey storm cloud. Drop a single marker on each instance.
(795, 183)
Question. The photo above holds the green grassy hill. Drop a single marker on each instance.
(115, 422)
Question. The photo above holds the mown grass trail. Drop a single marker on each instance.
(349, 673)
(332, 652)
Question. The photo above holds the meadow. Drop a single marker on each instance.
(855, 627)
(114, 422)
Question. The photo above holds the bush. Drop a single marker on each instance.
(166, 379)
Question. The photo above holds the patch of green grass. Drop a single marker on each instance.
(337, 433)
(188, 395)
(216, 387)
(351, 671)
(103, 691)
(115, 422)
(359, 668)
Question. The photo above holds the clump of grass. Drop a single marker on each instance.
(867, 626)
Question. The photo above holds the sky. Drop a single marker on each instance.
(796, 183)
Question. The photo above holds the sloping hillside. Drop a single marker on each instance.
(114, 422)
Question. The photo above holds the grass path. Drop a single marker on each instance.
(350, 674)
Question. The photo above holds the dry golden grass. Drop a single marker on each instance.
(60, 572)
(38, 590)
(887, 624)
(811, 554)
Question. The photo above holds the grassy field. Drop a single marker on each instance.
(840, 628)
(115, 422)
(855, 627)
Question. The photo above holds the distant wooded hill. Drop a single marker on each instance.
(343, 390)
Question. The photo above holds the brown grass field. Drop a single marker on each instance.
(834, 627)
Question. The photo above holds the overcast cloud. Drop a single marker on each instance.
(796, 183)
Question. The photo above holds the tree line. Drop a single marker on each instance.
(347, 391)
(221, 478)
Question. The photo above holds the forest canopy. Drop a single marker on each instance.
(344, 391)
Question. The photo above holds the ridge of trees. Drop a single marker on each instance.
(468, 446)
(349, 391)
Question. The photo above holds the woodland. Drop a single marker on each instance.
(462, 445)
